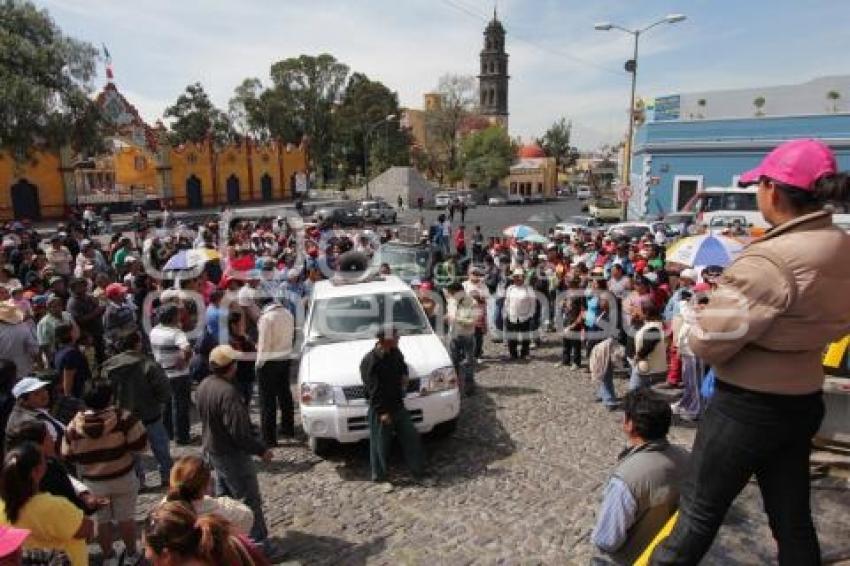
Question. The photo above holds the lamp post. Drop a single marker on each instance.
(631, 66)
(367, 133)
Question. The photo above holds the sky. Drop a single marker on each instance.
(559, 65)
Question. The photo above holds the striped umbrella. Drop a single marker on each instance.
(704, 250)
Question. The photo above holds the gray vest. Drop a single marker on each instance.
(653, 473)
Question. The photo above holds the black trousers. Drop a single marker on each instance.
(745, 433)
(518, 335)
(273, 379)
(571, 350)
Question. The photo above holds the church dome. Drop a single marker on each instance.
(531, 151)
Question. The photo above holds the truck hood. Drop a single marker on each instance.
(339, 363)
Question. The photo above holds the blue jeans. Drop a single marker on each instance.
(176, 415)
(606, 388)
(236, 477)
(463, 358)
(158, 438)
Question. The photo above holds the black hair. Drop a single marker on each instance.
(828, 188)
(16, 485)
(650, 415)
(130, 342)
(33, 431)
(168, 314)
(8, 374)
(64, 333)
(99, 396)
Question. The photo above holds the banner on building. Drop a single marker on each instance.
(667, 108)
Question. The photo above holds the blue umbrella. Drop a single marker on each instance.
(519, 231)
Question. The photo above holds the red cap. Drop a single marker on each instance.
(115, 291)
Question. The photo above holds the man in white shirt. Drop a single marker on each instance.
(276, 332)
(520, 304)
(474, 287)
(171, 350)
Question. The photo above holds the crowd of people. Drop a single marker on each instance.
(104, 338)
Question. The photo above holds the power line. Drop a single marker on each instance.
(460, 6)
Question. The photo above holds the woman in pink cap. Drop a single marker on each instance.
(763, 332)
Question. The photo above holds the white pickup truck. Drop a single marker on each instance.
(339, 330)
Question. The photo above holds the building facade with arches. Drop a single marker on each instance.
(140, 167)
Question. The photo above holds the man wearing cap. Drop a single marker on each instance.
(384, 373)
(519, 309)
(172, 350)
(32, 399)
(227, 440)
(46, 329)
(119, 316)
(88, 314)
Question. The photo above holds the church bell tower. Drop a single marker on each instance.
(493, 80)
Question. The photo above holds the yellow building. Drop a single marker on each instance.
(141, 168)
(534, 174)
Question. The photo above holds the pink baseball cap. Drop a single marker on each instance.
(798, 163)
(11, 540)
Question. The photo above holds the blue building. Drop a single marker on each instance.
(673, 160)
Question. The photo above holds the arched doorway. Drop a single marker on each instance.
(266, 186)
(233, 190)
(25, 201)
(194, 195)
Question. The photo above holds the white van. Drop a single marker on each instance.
(442, 200)
(340, 330)
(726, 201)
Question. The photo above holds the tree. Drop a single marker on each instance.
(45, 84)
(246, 111)
(195, 117)
(306, 90)
(834, 96)
(487, 156)
(758, 102)
(365, 103)
(443, 123)
(556, 143)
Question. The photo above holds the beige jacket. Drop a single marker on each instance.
(777, 306)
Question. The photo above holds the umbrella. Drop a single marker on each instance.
(518, 231)
(704, 250)
(185, 260)
(545, 217)
(535, 239)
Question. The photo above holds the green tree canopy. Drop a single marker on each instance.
(487, 156)
(45, 83)
(556, 143)
(440, 153)
(194, 117)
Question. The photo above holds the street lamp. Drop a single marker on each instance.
(631, 67)
(367, 133)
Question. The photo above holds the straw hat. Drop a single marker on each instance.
(10, 314)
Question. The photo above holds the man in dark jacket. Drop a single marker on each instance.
(385, 375)
(141, 387)
(228, 442)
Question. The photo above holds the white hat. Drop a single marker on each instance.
(28, 385)
(518, 272)
(688, 273)
(551, 246)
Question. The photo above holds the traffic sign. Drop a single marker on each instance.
(624, 194)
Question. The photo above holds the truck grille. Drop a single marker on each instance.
(362, 423)
(352, 392)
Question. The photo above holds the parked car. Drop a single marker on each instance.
(340, 329)
(535, 197)
(680, 223)
(497, 201)
(408, 261)
(342, 215)
(442, 200)
(468, 198)
(583, 192)
(636, 229)
(515, 199)
(378, 211)
(606, 209)
(575, 224)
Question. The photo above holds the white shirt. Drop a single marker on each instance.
(168, 344)
(275, 330)
(447, 228)
(520, 303)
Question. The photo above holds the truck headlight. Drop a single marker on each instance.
(317, 394)
(440, 379)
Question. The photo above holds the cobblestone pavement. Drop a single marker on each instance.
(518, 483)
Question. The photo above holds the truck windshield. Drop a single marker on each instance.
(352, 318)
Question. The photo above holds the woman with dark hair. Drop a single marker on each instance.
(57, 526)
(175, 535)
(241, 342)
(763, 332)
(191, 482)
